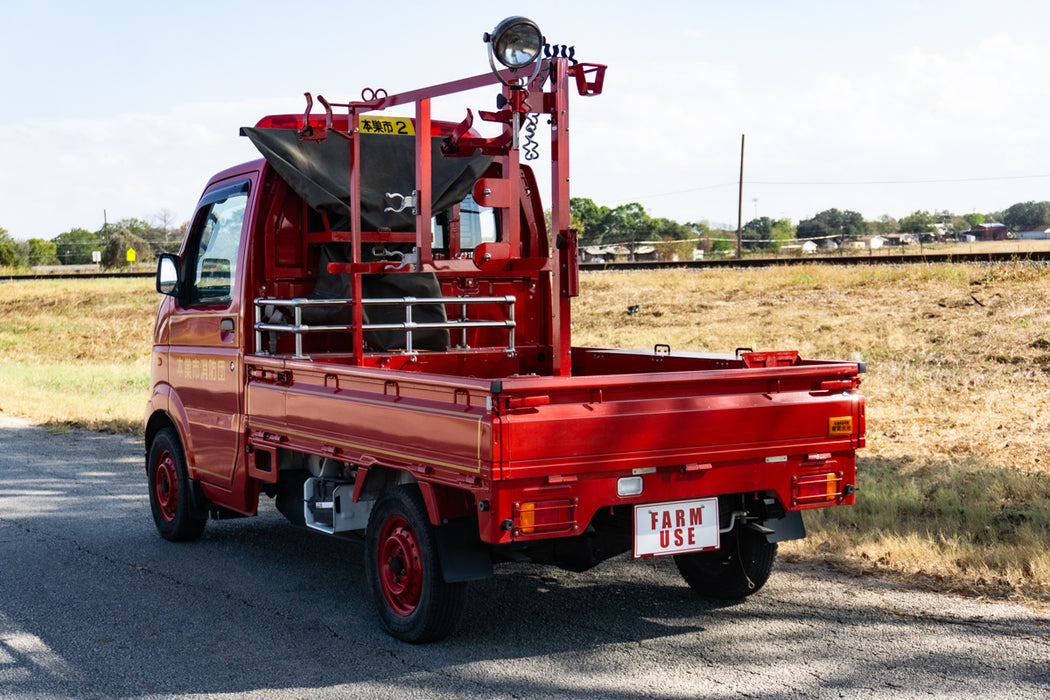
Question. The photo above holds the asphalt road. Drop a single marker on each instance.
(94, 604)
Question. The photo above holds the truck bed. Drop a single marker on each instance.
(691, 424)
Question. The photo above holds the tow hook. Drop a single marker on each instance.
(742, 515)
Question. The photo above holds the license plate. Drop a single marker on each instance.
(675, 528)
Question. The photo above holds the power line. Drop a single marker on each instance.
(906, 182)
(836, 183)
(675, 192)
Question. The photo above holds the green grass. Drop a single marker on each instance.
(109, 398)
(74, 353)
(966, 528)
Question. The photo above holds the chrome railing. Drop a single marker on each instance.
(296, 326)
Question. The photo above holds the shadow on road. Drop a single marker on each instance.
(93, 603)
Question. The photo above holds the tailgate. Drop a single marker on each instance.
(629, 421)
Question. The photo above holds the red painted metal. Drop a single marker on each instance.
(560, 217)
(424, 236)
(399, 566)
(166, 486)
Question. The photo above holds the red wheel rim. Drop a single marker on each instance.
(166, 486)
(399, 566)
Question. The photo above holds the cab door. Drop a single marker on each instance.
(206, 352)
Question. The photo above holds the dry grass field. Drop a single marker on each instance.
(1019, 247)
(954, 486)
(75, 353)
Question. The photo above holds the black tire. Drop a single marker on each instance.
(414, 602)
(739, 568)
(169, 490)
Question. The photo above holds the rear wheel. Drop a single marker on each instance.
(414, 602)
(169, 489)
(739, 568)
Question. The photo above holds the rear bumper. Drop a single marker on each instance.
(523, 510)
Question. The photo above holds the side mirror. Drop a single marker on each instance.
(168, 274)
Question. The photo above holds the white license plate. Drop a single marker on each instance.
(675, 528)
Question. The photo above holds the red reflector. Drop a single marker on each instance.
(697, 467)
(816, 489)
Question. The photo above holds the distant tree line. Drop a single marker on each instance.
(630, 225)
(626, 225)
(77, 246)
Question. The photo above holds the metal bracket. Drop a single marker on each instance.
(319, 133)
(411, 200)
(409, 260)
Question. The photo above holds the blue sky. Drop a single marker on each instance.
(883, 108)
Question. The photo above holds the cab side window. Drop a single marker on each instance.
(215, 242)
(477, 225)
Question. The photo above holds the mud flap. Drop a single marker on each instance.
(464, 557)
(790, 527)
(199, 503)
(204, 509)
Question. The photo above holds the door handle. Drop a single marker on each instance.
(226, 326)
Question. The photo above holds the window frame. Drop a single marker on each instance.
(216, 195)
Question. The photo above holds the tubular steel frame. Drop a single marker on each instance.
(558, 273)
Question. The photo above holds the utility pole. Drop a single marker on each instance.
(740, 204)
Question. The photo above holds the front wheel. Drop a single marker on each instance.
(739, 568)
(169, 489)
(414, 602)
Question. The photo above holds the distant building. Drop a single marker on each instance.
(617, 253)
(1036, 235)
(869, 242)
(991, 232)
(901, 238)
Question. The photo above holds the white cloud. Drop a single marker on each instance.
(130, 165)
(925, 113)
(911, 106)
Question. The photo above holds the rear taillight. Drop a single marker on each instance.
(533, 517)
(816, 489)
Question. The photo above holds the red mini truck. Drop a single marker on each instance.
(371, 326)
